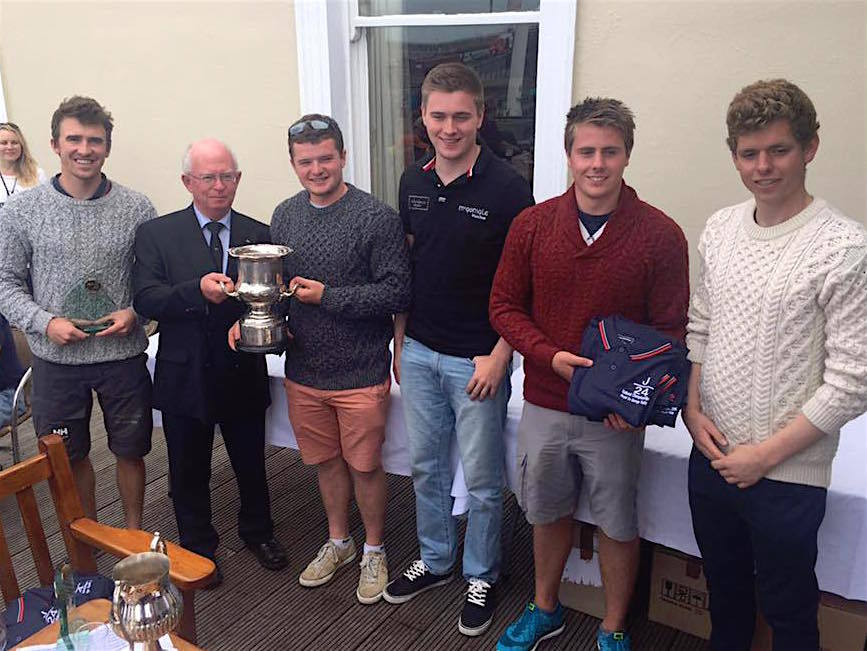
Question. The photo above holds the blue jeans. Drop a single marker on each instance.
(762, 537)
(436, 405)
(6, 398)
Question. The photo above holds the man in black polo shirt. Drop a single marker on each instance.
(452, 367)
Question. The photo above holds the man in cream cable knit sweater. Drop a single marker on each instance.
(73, 237)
(779, 350)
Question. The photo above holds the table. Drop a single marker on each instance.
(663, 507)
(92, 611)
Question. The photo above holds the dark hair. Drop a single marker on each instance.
(309, 134)
(451, 78)
(763, 102)
(603, 112)
(87, 111)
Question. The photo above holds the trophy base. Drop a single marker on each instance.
(262, 337)
(92, 328)
(273, 348)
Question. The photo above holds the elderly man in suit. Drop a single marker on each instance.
(181, 259)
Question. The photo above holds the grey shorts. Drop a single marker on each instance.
(62, 400)
(559, 452)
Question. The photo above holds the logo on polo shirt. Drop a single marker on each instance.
(640, 394)
(475, 213)
(418, 202)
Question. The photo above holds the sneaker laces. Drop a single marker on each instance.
(478, 592)
(416, 570)
(527, 623)
(324, 551)
(370, 564)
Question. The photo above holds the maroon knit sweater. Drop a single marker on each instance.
(549, 283)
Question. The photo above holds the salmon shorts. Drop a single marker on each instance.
(349, 423)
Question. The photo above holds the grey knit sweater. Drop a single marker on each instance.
(67, 241)
(356, 247)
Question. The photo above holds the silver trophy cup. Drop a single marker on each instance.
(146, 604)
(260, 286)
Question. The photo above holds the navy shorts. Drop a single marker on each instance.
(62, 400)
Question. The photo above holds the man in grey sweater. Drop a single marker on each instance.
(73, 240)
(350, 270)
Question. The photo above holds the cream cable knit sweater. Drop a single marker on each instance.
(778, 322)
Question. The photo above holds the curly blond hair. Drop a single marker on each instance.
(763, 102)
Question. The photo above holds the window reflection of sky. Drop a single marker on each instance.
(380, 8)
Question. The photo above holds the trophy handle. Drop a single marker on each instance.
(287, 294)
(158, 544)
(226, 291)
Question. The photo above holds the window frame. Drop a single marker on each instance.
(332, 46)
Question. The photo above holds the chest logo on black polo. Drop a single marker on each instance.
(476, 213)
(418, 202)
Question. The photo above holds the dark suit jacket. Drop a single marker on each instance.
(197, 374)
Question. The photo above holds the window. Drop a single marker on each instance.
(375, 53)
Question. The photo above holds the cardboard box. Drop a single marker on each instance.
(587, 595)
(679, 598)
(678, 592)
(842, 626)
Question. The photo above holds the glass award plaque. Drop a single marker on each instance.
(86, 303)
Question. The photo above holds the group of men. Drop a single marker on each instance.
(468, 271)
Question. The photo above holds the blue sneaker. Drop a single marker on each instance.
(618, 641)
(533, 626)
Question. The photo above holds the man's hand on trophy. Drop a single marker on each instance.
(234, 335)
(307, 290)
(62, 331)
(121, 323)
(211, 288)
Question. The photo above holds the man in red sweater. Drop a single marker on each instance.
(596, 250)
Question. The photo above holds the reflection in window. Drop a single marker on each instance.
(504, 56)
(389, 7)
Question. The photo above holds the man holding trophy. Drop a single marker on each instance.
(73, 239)
(349, 272)
(181, 262)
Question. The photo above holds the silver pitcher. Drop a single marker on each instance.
(146, 604)
(260, 286)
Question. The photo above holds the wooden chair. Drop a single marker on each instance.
(81, 535)
(22, 393)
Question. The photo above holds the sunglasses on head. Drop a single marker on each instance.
(9, 124)
(317, 125)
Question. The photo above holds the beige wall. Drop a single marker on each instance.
(169, 73)
(175, 71)
(678, 64)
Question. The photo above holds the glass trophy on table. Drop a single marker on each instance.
(88, 302)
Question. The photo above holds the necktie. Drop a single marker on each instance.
(216, 245)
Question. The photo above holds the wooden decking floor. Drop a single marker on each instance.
(260, 610)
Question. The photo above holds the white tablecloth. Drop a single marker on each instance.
(663, 508)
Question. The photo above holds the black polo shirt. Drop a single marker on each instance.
(459, 232)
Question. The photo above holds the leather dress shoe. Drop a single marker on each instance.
(270, 554)
(216, 579)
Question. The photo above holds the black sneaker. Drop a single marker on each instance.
(416, 579)
(478, 608)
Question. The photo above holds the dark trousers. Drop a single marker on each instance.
(190, 443)
(759, 538)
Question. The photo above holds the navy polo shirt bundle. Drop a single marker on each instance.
(637, 372)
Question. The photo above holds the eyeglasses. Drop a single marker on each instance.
(228, 178)
(9, 124)
(317, 125)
